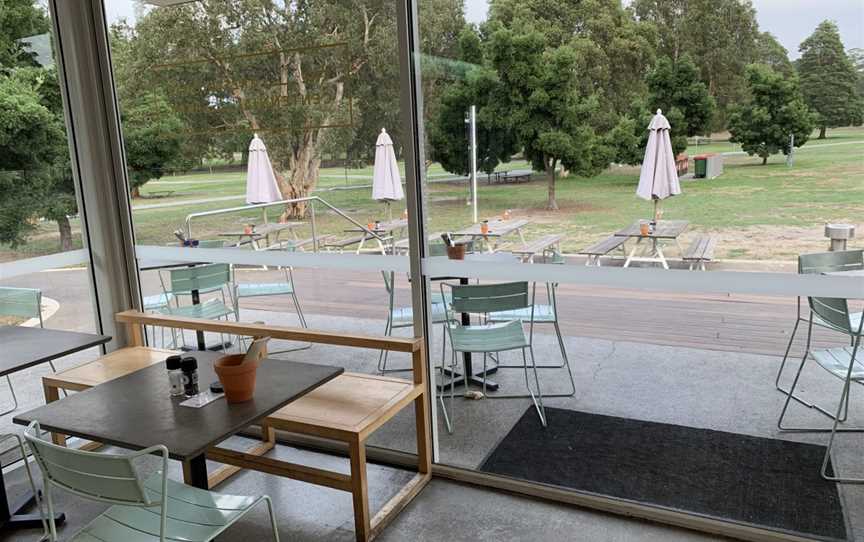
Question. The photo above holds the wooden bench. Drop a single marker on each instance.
(348, 409)
(546, 244)
(342, 244)
(700, 252)
(602, 248)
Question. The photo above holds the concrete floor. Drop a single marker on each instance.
(444, 511)
(727, 391)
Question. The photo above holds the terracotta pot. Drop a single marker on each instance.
(237, 378)
(456, 252)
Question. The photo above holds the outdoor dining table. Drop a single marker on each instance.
(264, 231)
(478, 378)
(664, 230)
(136, 411)
(498, 228)
(22, 348)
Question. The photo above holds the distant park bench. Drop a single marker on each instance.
(700, 252)
(602, 248)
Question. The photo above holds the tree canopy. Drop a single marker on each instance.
(829, 80)
(774, 111)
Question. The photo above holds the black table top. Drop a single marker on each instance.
(136, 411)
(24, 347)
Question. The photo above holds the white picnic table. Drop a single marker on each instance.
(384, 229)
(498, 228)
(652, 252)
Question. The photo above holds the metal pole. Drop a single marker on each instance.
(791, 150)
(472, 120)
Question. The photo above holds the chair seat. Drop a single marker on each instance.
(836, 361)
(209, 310)
(854, 322)
(489, 338)
(404, 316)
(542, 313)
(194, 515)
(262, 289)
(159, 301)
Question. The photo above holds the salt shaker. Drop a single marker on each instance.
(175, 375)
(189, 366)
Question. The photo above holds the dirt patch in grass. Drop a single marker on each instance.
(10, 320)
(764, 242)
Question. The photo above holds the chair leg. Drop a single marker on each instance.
(538, 401)
(14, 398)
(565, 364)
(790, 396)
(447, 422)
(844, 398)
(273, 524)
(382, 356)
(783, 366)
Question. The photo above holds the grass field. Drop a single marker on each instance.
(757, 212)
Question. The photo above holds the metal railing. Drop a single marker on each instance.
(311, 200)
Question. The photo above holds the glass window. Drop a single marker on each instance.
(44, 278)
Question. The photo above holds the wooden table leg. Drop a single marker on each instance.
(53, 394)
(195, 472)
(360, 490)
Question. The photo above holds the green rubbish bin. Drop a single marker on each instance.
(700, 166)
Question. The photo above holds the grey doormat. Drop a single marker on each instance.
(764, 482)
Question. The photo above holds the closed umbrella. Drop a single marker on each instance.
(261, 184)
(386, 181)
(658, 179)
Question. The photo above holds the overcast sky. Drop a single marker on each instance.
(790, 20)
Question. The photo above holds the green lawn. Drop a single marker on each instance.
(757, 212)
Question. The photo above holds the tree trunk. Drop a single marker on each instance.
(822, 130)
(551, 204)
(764, 160)
(65, 233)
(136, 192)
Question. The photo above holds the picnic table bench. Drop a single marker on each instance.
(299, 243)
(498, 228)
(602, 248)
(700, 252)
(546, 244)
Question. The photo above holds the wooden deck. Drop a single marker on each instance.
(731, 323)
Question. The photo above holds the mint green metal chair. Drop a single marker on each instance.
(544, 313)
(286, 287)
(21, 303)
(816, 263)
(491, 338)
(403, 317)
(205, 279)
(840, 362)
(155, 508)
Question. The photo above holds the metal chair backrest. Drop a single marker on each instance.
(484, 298)
(102, 477)
(211, 243)
(21, 302)
(204, 278)
(828, 262)
(834, 311)
(437, 248)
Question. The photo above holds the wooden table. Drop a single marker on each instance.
(22, 348)
(136, 411)
(664, 230)
(498, 228)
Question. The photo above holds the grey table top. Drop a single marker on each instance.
(136, 411)
(497, 228)
(665, 229)
(23, 347)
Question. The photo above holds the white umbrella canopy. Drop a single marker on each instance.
(658, 178)
(386, 180)
(261, 184)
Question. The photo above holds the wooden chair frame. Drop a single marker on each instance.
(355, 436)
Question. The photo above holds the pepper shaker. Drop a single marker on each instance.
(189, 366)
